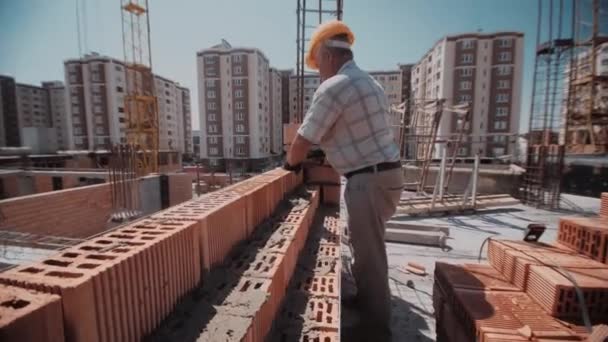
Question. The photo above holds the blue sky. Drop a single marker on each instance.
(36, 36)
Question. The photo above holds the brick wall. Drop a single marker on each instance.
(43, 183)
(180, 188)
(78, 212)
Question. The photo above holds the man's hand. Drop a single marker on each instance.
(295, 168)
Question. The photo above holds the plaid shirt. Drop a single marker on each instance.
(348, 118)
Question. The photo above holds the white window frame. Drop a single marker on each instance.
(239, 105)
(466, 58)
(238, 70)
(500, 124)
(213, 150)
(495, 151)
(236, 58)
(464, 98)
(504, 84)
(467, 44)
(238, 93)
(502, 111)
(505, 42)
(209, 59)
(238, 82)
(238, 116)
(239, 128)
(211, 72)
(211, 94)
(213, 128)
(212, 117)
(213, 140)
(240, 140)
(210, 83)
(504, 70)
(465, 85)
(210, 105)
(502, 98)
(239, 150)
(466, 72)
(504, 56)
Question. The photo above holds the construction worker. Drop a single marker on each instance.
(348, 120)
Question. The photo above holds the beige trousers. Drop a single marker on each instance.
(371, 199)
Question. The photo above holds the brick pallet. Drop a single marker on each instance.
(588, 236)
(474, 302)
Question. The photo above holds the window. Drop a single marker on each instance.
(209, 60)
(504, 70)
(462, 151)
(211, 105)
(122, 120)
(97, 109)
(168, 101)
(438, 75)
(238, 70)
(121, 110)
(213, 150)
(210, 83)
(504, 84)
(238, 93)
(604, 61)
(240, 140)
(465, 85)
(467, 44)
(239, 150)
(500, 124)
(464, 98)
(210, 94)
(211, 117)
(392, 78)
(502, 111)
(502, 98)
(95, 77)
(467, 58)
(118, 68)
(239, 105)
(499, 139)
(504, 43)
(236, 58)
(213, 140)
(466, 72)
(238, 116)
(213, 128)
(498, 151)
(504, 56)
(240, 128)
(211, 72)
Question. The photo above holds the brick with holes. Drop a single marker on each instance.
(27, 315)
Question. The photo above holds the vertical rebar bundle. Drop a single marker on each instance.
(123, 172)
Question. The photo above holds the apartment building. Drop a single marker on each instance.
(276, 111)
(479, 69)
(311, 83)
(32, 115)
(285, 103)
(234, 89)
(96, 86)
(183, 97)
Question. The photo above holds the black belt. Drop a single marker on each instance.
(375, 168)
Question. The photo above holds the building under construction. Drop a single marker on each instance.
(569, 107)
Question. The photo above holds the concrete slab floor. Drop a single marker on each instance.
(413, 318)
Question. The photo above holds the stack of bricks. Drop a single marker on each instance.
(325, 176)
(239, 301)
(121, 284)
(604, 205)
(27, 315)
(311, 311)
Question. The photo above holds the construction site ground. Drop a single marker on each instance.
(412, 306)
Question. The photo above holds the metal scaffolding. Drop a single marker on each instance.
(569, 108)
(310, 14)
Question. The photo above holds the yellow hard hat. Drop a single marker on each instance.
(322, 33)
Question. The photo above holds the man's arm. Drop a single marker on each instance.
(298, 151)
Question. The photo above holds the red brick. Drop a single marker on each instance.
(331, 194)
(26, 315)
(604, 205)
(321, 174)
(557, 295)
(228, 328)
